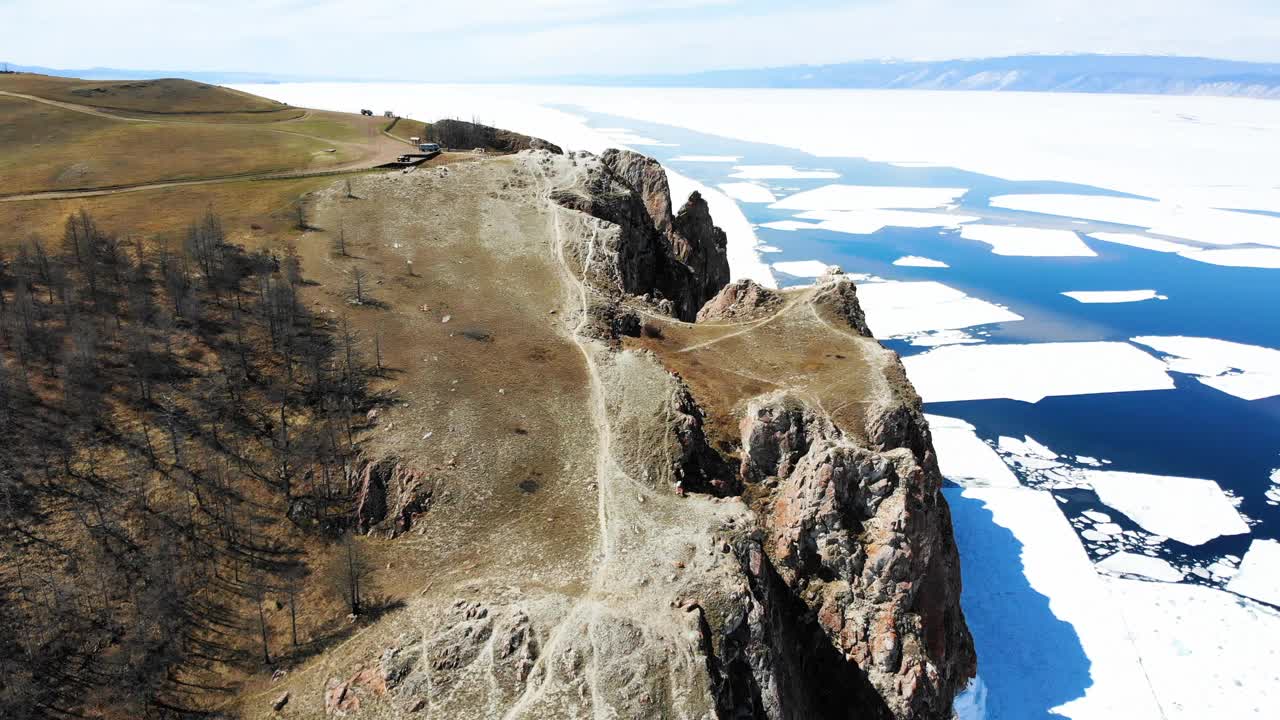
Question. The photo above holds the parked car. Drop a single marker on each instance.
(429, 147)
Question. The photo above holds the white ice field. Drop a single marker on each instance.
(1057, 634)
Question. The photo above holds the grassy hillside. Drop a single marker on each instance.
(46, 147)
(167, 96)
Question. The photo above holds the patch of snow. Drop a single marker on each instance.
(747, 192)
(899, 309)
(780, 172)
(1029, 242)
(744, 247)
(1205, 652)
(1189, 510)
(802, 268)
(1237, 257)
(964, 458)
(938, 338)
(707, 158)
(1127, 563)
(1113, 296)
(971, 703)
(1249, 372)
(1033, 372)
(1174, 219)
(917, 261)
(1259, 574)
(869, 197)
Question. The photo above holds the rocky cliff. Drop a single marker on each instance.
(737, 517)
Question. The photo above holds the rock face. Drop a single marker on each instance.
(389, 497)
(862, 537)
(678, 258)
(742, 300)
(463, 134)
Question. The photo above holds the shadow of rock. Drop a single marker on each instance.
(1030, 660)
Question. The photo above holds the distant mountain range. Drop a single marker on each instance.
(1141, 74)
(1159, 75)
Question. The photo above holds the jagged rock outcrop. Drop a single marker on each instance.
(389, 497)
(649, 251)
(863, 538)
(743, 300)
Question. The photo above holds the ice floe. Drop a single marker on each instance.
(1237, 257)
(747, 192)
(780, 172)
(1141, 241)
(744, 247)
(1273, 493)
(1205, 653)
(971, 703)
(1259, 573)
(1127, 563)
(802, 268)
(866, 222)
(1031, 242)
(869, 197)
(1249, 372)
(627, 138)
(917, 261)
(1173, 219)
(706, 158)
(1032, 372)
(790, 225)
(901, 309)
(1189, 510)
(1114, 296)
(964, 458)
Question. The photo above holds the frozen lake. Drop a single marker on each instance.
(1084, 290)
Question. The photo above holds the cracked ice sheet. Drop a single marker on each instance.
(707, 158)
(1226, 257)
(1189, 510)
(901, 309)
(748, 192)
(1029, 242)
(964, 458)
(1033, 372)
(1249, 372)
(1113, 296)
(1127, 563)
(1259, 574)
(780, 172)
(1207, 653)
(1024, 647)
(1189, 222)
(866, 222)
(869, 197)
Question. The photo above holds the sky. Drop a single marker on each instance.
(430, 40)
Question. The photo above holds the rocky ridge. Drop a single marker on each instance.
(804, 568)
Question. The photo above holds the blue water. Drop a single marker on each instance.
(1192, 431)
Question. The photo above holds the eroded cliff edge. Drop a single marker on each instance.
(742, 516)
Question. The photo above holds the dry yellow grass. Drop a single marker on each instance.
(44, 147)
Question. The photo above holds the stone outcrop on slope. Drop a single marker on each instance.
(678, 258)
(862, 537)
(743, 300)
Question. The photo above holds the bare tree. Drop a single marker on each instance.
(359, 281)
(340, 240)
